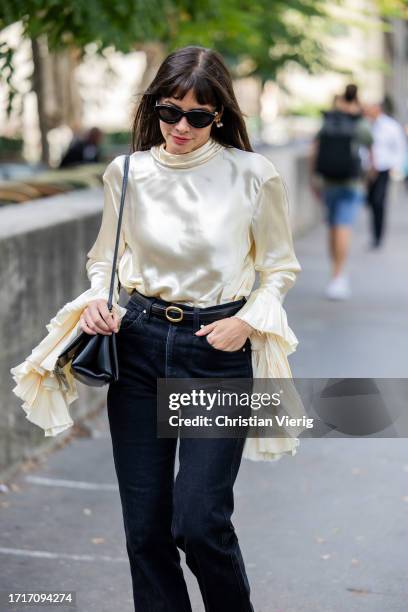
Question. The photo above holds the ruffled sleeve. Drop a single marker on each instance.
(46, 390)
(276, 262)
(272, 339)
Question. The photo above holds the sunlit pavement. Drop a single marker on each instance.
(324, 531)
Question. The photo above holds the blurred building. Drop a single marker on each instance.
(356, 43)
(396, 79)
(102, 91)
(358, 48)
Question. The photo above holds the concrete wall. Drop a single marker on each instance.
(291, 162)
(43, 246)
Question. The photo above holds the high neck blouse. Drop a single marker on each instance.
(196, 228)
(186, 160)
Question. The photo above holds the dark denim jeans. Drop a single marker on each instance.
(192, 512)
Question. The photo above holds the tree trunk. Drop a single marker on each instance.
(38, 78)
(58, 99)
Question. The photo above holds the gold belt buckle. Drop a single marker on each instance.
(174, 308)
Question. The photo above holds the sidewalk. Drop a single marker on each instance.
(324, 531)
(366, 336)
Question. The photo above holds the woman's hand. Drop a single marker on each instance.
(96, 319)
(229, 334)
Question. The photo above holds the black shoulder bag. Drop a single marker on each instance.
(94, 357)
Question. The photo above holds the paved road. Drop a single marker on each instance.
(366, 336)
(324, 531)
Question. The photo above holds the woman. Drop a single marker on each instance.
(203, 212)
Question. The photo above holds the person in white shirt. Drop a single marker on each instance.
(389, 151)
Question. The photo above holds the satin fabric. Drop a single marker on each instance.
(196, 227)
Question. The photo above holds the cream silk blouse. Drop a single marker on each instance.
(196, 227)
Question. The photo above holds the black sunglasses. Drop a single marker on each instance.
(197, 118)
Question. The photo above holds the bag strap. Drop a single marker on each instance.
(115, 256)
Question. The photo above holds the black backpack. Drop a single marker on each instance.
(338, 156)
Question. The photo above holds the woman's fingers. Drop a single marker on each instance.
(97, 319)
(85, 327)
(115, 320)
(89, 318)
(110, 318)
(94, 319)
(229, 334)
(203, 331)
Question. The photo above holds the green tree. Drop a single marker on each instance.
(256, 37)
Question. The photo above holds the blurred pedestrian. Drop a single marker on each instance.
(336, 178)
(83, 149)
(389, 153)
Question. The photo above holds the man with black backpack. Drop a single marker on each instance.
(337, 177)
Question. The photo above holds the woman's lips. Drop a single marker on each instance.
(181, 140)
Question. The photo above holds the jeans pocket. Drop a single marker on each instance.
(240, 359)
(244, 348)
(133, 316)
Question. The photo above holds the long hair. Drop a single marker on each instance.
(205, 72)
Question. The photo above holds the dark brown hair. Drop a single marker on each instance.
(351, 93)
(205, 72)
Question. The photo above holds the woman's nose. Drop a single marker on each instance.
(183, 124)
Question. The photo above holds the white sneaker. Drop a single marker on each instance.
(338, 288)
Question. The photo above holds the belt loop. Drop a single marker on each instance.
(148, 309)
(196, 319)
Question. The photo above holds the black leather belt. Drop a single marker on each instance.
(177, 313)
